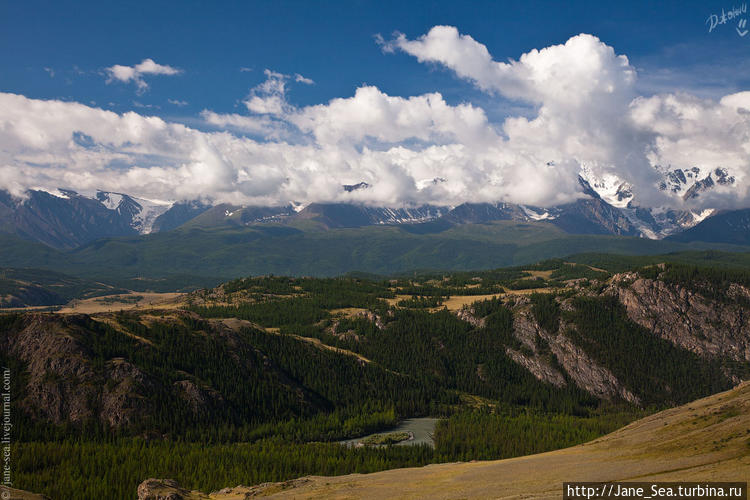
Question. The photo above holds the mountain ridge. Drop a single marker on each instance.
(66, 219)
(309, 350)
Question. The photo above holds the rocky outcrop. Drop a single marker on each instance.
(538, 367)
(66, 382)
(374, 318)
(15, 494)
(166, 489)
(525, 327)
(125, 400)
(199, 399)
(259, 490)
(61, 382)
(550, 356)
(467, 314)
(527, 331)
(335, 328)
(586, 373)
(583, 370)
(710, 328)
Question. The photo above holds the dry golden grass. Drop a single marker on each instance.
(26, 309)
(236, 324)
(474, 401)
(707, 440)
(456, 302)
(347, 312)
(394, 300)
(590, 267)
(149, 301)
(14, 494)
(109, 320)
(529, 291)
(540, 274)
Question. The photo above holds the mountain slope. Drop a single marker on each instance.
(156, 373)
(36, 287)
(726, 227)
(584, 344)
(340, 215)
(139, 213)
(63, 218)
(178, 214)
(701, 441)
(594, 216)
(284, 250)
(237, 250)
(66, 219)
(305, 360)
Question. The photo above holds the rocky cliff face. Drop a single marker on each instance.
(72, 377)
(166, 489)
(707, 327)
(111, 370)
(563, 355)
(527, 331)
(64, 385)
(714, 324)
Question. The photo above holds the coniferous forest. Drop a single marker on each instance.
(257, 380)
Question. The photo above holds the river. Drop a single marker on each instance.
(421, 428)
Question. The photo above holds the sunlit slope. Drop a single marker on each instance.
(707, 440)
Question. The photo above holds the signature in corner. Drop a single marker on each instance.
(715, 20)
(742, 24)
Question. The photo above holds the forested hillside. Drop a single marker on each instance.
(514, 361)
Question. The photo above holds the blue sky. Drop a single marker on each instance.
(332, 43)
(427, 102)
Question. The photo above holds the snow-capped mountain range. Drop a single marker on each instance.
(660, 222)
(64, 218)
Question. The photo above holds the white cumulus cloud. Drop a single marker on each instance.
(585, 114)
(135, 73)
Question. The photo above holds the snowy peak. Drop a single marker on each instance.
(686, 184)
(608, 187)
(678, 180)
(140, 213)
(659, 222)
(110, 200)
(690, 183)
(64, 218)
(539, 214)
